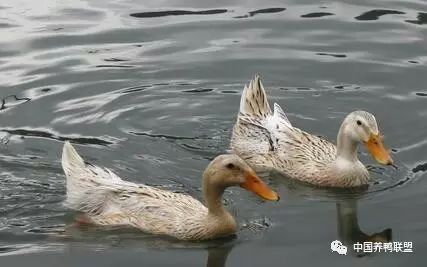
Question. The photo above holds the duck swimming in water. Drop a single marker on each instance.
(266, 140)
(105, 199)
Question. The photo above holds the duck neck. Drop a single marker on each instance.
(346, 146)
(213, 198)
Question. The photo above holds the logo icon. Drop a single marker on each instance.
(338, 247)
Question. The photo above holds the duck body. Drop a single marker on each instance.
(266, 140)
(106, 199)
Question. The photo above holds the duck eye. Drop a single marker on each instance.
(230, 166)
(359, 122)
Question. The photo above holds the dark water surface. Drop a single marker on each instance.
(151, 90)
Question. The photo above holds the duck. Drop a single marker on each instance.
(103, 198)
(267, 141)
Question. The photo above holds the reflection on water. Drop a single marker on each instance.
(217, 256)
(348, 227)
(217, 250)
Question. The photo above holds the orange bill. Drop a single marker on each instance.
(254, 184)
(376, 148)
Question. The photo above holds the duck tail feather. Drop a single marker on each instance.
(74, 168)
(87, 184)
(70, 158)
(254, 101)
(280, 116)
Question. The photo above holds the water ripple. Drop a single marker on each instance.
(317, 15)
(262, 11)
(162, 88)
(12, 100)
(157, 14)
(45, 134)
(420, 168)
(377, 13)
(421, 19)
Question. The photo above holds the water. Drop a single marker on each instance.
(151, 90)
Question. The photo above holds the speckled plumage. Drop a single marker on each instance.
(108, 200)
(266, 140)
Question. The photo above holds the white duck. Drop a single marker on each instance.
(267, 140)
(105, 199)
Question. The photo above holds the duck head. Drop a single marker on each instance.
(361, 127)
(230, 170)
